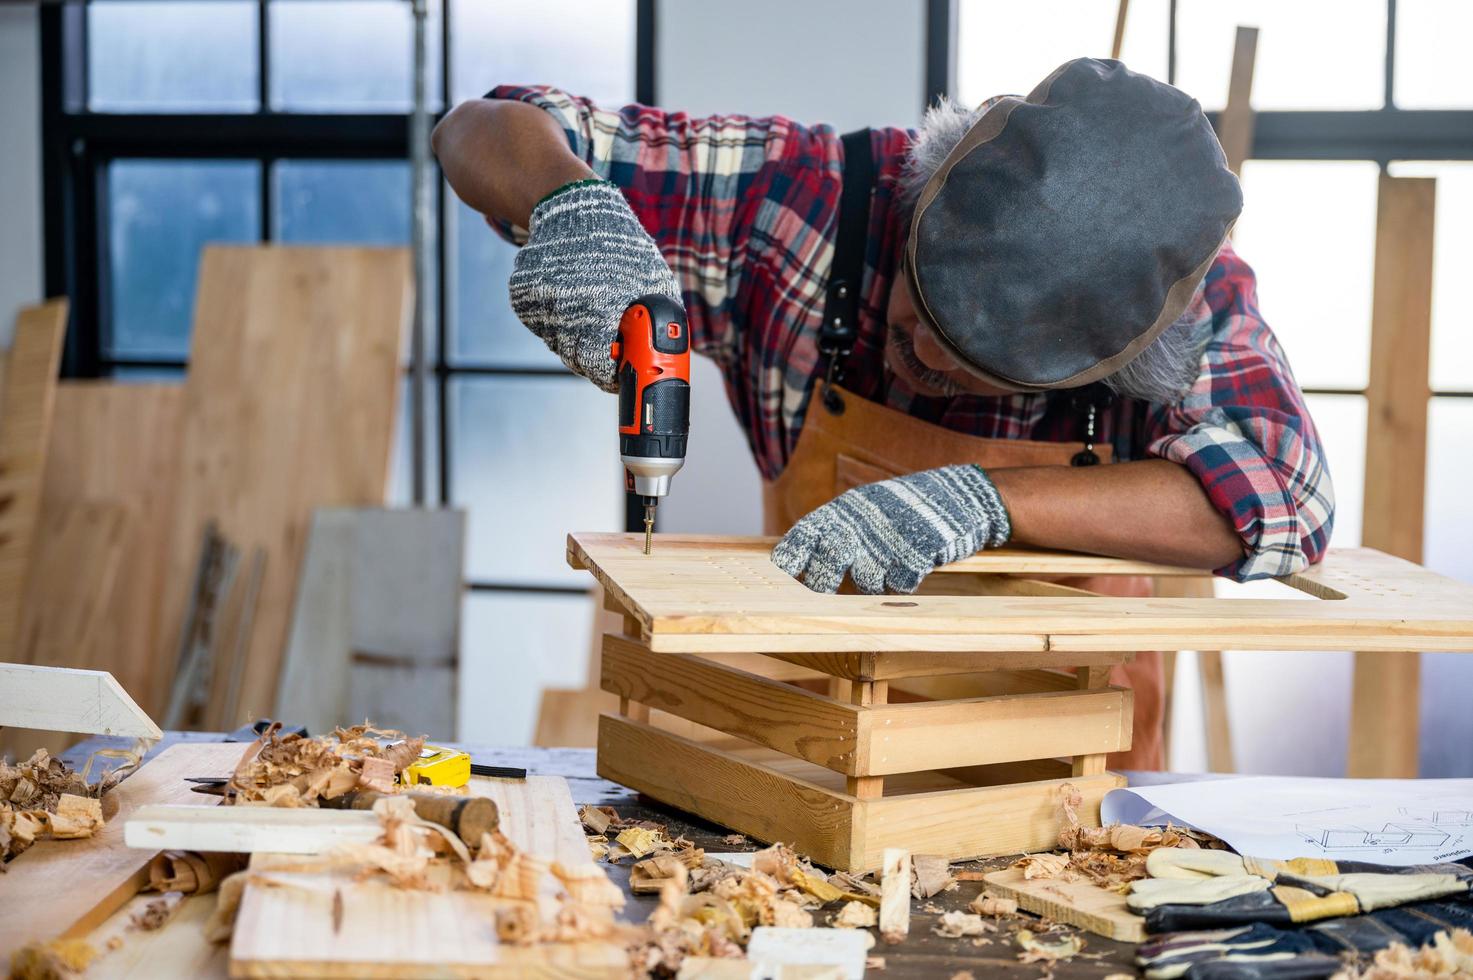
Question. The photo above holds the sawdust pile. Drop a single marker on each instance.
(289, 770)
(1446, 957)
(42, 797)
(52, 960)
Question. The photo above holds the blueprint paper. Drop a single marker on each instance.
(1384, 821)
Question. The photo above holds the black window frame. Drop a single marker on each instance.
(77, 145)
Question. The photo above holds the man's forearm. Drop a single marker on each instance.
(1149, 510)
(502, 157)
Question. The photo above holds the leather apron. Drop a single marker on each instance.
(867, 442)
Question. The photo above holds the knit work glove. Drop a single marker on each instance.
(587, 258)
(890, 535)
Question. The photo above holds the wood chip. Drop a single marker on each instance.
(1036, 951)
(955, 925)
(153, 915)
(377, 775)
(596, 819)
(985, 904)
(1042, 865)
(854, 915)
(734, 840)
(648, 877)
(931, 875)
(638, 841)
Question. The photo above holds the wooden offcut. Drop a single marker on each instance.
(289, 405)
(64, 699)
(949, 724)
(1079, 903)
(1386, 690)
(26, 399)
(64, 888)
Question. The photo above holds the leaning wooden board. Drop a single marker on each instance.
(29, 392)
(65, 888)
(289, 405)
(326, 923)
(1074, 903)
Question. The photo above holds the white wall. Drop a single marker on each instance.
(20, 163)
(850, 64)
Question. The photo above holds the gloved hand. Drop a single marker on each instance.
(891, 534)
(587, 258)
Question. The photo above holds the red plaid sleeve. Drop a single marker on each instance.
(1244, 431)
(697, 184)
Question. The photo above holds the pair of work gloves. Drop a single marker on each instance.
(1226, 917)
(587, 257)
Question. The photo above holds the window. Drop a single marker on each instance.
(169, 124)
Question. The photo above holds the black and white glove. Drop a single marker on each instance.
(891, 534)
(586, 259)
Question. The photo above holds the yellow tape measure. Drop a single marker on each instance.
(438, 767)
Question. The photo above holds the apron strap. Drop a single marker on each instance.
(840, 324)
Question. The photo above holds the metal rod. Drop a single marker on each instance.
(419, 157)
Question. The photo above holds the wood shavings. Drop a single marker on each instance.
(597, 819)
(1449, 956)
(636, 842)
(985, 904)
(39, 782)
(854, 915)
(49, 961)
(649, 876)
(154, 914)
(75, 817)
(1036, 951)
(734, 840)
(588, 885)
(1042, 865)
(598, 846)
(851, 883)
(815, 885)
(956, 925)
(320, 768)
(190, 872)
(930, 875)
(405, 849)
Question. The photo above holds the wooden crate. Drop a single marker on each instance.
(943, 723)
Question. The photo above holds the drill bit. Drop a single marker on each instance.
(649, 525)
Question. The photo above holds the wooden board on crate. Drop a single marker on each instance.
(64, 888)
(119, 444)
(289, 405)
(327, 924)
(1072, 903)
(695, 589)
(29, 393)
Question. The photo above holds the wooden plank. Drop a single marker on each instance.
(62, 699)
(248, 829)
(71, 581)
(690, 592)
(120, 443)
(746, 797)
(1385, 710)
(810, 726)
(290, 404)
(980, 731)
(977, 822)
(328, 924)
(1071, 903)
(65, 888)
(178, 949)
(1235, 123)
(894, 894)
(1119, 39)
(25, 432)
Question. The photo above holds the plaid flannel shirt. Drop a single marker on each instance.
(745, 211)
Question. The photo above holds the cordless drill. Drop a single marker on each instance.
(653, 358)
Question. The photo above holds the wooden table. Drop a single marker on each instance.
(923, 954)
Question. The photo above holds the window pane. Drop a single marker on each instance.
(1452, 257)
(1312, 54)
(1447, 725)
(172, 56)
(513, 646)
(348, 55)
(1341, 422)
(160, 213)
(1431, 55)
(483, 327)
(585, 48)
(533, 458)
(401, 462)
(338, 202)
(1309, 229)
(1008, 48)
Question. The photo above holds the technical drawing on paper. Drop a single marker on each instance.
(1390, 835)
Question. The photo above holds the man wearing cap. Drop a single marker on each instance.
(933, 338)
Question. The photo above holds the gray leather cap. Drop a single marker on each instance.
(1066, 230)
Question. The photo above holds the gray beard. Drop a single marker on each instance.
(900, 350)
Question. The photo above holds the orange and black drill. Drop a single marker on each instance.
(653, 358)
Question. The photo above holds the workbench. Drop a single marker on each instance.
(923, 954)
